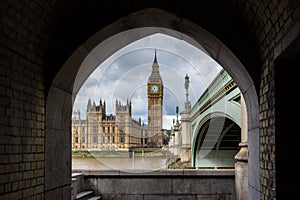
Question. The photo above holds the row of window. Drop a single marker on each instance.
(95, 139)
(106, 147)
(95, 130)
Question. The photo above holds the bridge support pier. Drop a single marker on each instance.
(241, 173)
(185, 152)
(241, 166)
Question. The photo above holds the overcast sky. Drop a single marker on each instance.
(124, 76)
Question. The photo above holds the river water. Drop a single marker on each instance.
(129, 164)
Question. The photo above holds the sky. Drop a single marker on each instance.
(124, 76)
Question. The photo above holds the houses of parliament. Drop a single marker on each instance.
(121, 131)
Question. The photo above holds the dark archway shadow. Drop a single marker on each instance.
(286, 124)
(103, 44)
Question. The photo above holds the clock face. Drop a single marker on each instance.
(154, 88)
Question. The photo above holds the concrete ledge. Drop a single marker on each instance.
(163, 184)
(163, 173)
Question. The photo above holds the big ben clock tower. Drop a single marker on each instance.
(155, 104)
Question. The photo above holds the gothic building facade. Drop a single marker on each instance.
(120, 131)
(102, 131)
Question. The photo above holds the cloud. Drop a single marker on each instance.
(124, 76)
(168, 119)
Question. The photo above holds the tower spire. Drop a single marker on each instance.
(177, 110)
(154, 76)
(155, 59)
(155, 66)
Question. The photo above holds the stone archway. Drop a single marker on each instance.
(99, 47)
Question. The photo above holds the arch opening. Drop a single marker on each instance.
(61, 95)
(123, 77)
(217, 143)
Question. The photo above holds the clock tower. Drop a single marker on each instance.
(155, 105)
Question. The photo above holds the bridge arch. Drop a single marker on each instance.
(103, 44)
(221, 123)
(228, 108)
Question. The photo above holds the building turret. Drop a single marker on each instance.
(76, 115)
(89, 106)
(129, 107)
(94, 106)
(103, 109)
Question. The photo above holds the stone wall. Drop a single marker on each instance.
(162, 185)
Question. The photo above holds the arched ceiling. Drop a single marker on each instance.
(79, 20)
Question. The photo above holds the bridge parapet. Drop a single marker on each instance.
(215, 90)
(162, 184)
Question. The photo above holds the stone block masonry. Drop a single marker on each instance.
(165, 184)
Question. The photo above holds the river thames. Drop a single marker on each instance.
(119, 163)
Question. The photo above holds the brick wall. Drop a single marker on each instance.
(23, 43)
(270, 22)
